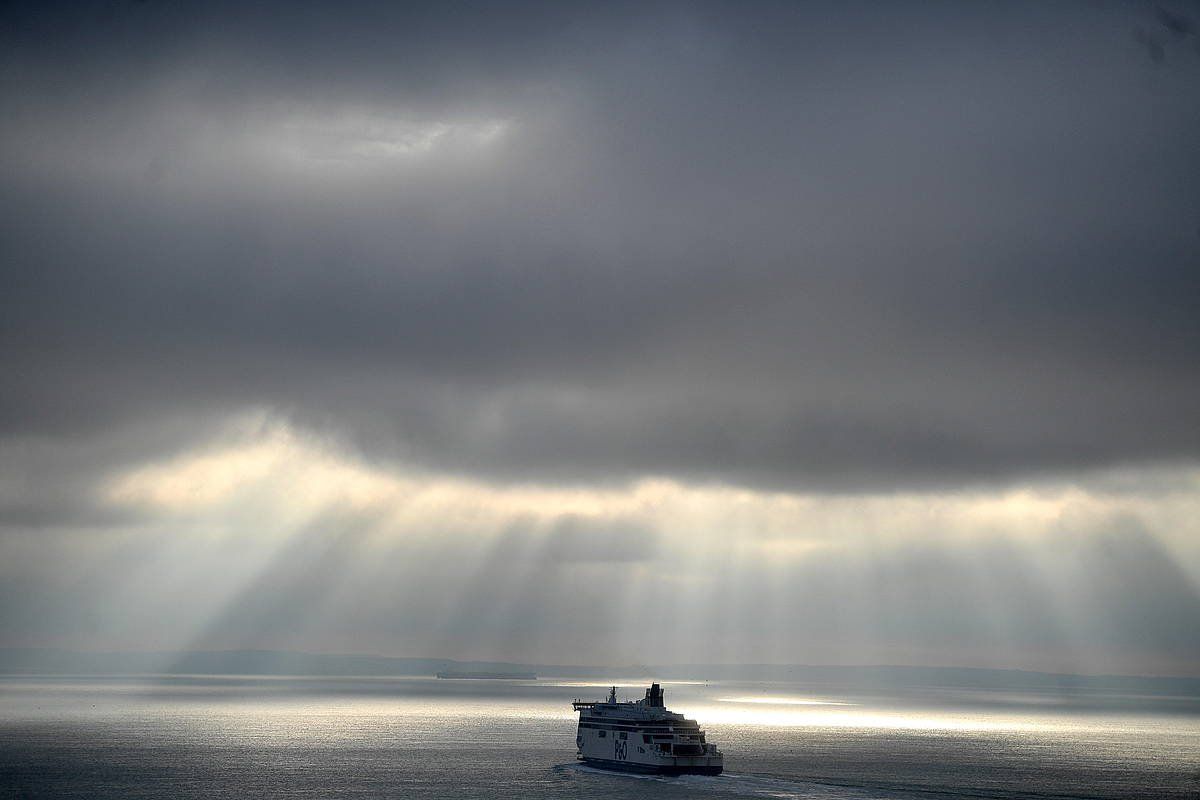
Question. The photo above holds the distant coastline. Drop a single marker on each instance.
(487, 676)
(50, 661)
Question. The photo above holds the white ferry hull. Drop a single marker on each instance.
(633, 755)
(644, 737)
(656, 769)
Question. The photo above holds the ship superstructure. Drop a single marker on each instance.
(643, 736)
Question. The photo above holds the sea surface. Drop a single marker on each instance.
(273, 737)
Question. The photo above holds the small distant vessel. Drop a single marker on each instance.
(489, 676)
(643, 736)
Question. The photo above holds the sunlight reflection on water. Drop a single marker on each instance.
(783, 701)
(845, 718)
(420, 737)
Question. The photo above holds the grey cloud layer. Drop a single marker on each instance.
(804, 245)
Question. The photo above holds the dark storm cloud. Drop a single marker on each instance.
(793, 244)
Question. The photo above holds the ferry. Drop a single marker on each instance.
(643, 736)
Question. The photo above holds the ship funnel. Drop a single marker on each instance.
(654, 696)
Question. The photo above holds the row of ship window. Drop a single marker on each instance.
(635, 727)
(646, 738)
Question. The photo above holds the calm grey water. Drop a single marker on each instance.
(217, 737)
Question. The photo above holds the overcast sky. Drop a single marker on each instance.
(795, 332)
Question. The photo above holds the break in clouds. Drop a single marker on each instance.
(842, 332)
